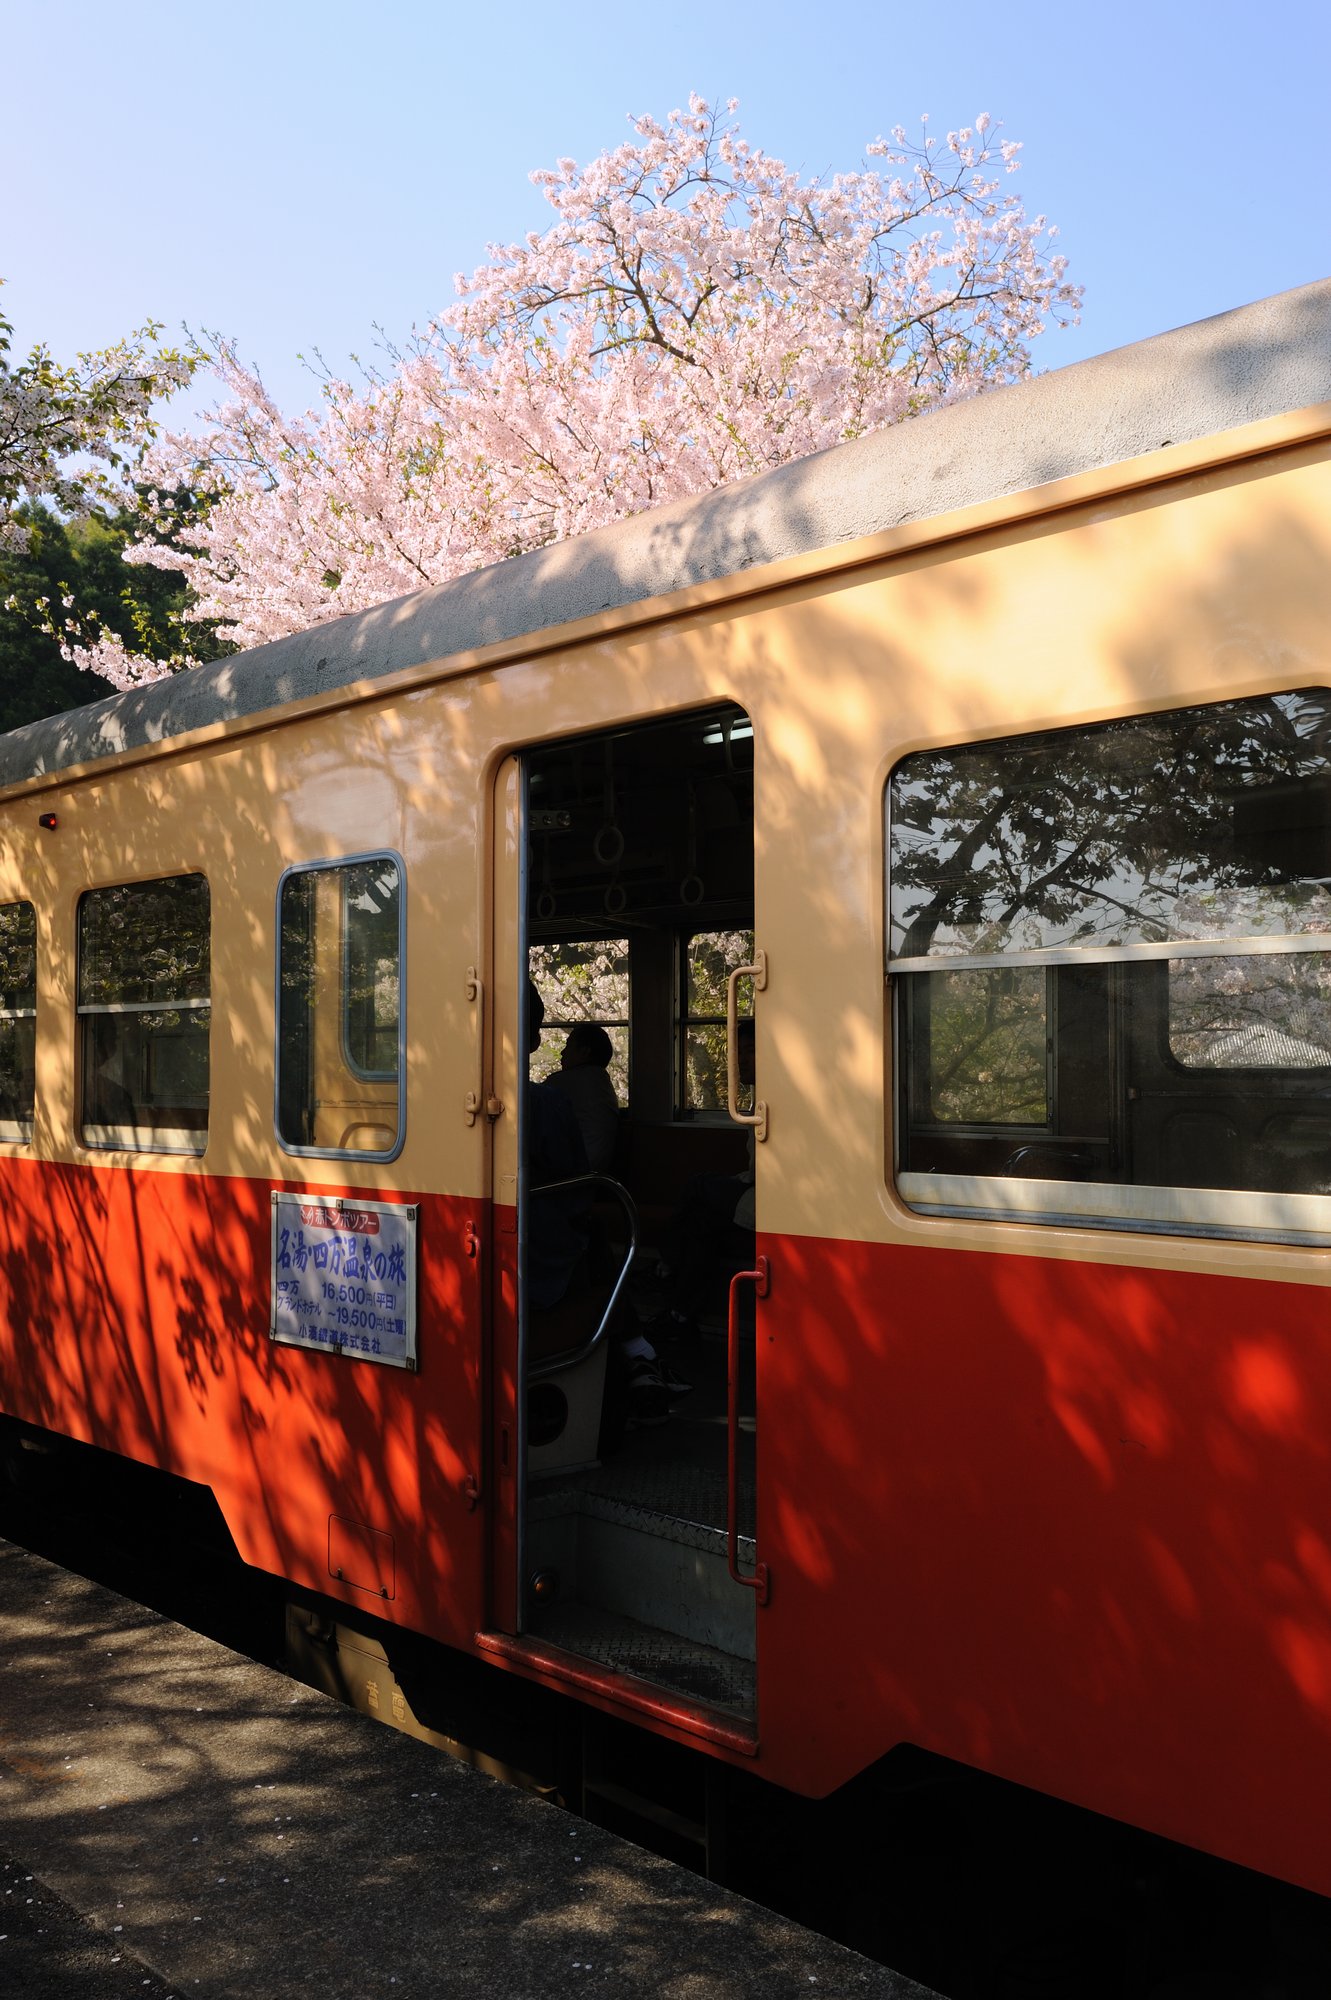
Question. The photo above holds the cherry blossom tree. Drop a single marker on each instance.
(696, 312)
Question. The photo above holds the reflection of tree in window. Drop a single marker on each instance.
(373, 974)
(144, 942)
(987, 1036)
(1166, 881)
(1206, 823)
(1265, 1011)
(144, 1013)
(339, 1023)
(18, 1020)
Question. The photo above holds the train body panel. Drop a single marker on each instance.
(1049, 1497)
(1054, 1520)
(139, 1322)
(1062, 1521)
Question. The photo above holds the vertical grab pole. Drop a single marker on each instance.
(759, 1278)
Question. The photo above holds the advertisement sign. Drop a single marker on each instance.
(344, 1277)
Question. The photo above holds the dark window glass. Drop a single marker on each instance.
(18, 1020)
(371, 994)
(144, 1014)
(339, 1008)
(987, 1033)
(295, 1005)
(144, 943)
(1111, 949)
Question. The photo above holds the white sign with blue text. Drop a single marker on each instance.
(344, 1277)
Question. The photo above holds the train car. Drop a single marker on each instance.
(985, 766)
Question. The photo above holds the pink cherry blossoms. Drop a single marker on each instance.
(695, 313)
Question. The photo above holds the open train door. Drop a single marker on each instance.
(623, 1524)
(500, 1102)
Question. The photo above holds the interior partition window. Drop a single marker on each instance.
(707, 959)
(144, 1014)
(18, 1021)
(340, 1018)
(1111, 948)
(583, 979)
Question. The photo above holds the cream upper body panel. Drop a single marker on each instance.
(1187, 596)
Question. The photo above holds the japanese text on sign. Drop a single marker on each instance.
(344, 1277)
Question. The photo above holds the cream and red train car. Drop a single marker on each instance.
(1005, 739)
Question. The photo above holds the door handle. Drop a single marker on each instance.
(757, 972)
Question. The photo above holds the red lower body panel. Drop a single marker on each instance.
(1070, 1523)
(1067, 1522)
(136, 1318)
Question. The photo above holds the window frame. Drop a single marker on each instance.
(321, 866)
(84, 1010)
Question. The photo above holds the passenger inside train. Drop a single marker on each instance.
(583, 1077)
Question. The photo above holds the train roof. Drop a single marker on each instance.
(1259, 361)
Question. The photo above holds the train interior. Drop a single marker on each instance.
(1202, 1072)
(639, 906)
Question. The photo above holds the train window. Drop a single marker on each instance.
(583, 980)
(144, 1013)
(707, 960)
(18, 1020)
(1111, 949)
(340, 1021)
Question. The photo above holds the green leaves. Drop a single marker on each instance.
(67, 587)
(71, 432)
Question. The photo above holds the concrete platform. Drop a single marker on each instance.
(196, 1824)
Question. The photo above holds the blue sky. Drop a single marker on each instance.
(293, 173)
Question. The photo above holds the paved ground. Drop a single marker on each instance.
(186, 1822)
(49, 1952)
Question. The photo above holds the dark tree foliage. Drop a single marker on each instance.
(73, 574)
(35, 678)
